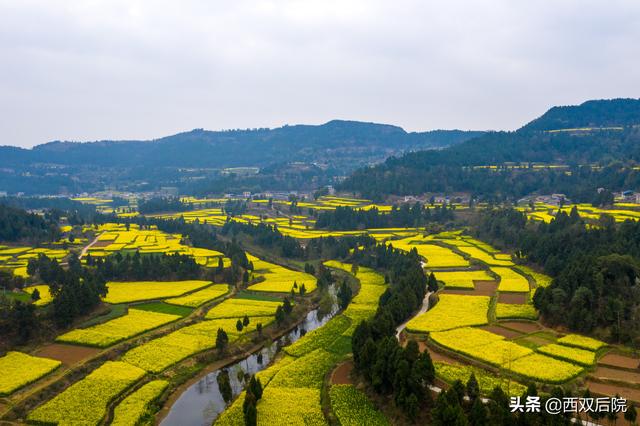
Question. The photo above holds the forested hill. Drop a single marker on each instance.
(352, 141)
(613, 136)
(590, 114)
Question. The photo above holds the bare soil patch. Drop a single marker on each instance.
(537, 340)
(67, 354)
(482, 288)
(102, 243)
(611, 390)
(524, 327)
(618, 375)
(341, 373)
(509, 334)
(513, 298)
(437, 356)
(620, 361)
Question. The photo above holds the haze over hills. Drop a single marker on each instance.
(193, 160)
(357, 141)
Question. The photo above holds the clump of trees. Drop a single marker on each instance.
(596, 269)
(18, 225)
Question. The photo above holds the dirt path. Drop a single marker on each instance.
(423, 309)
(509, 334)
(88, 246)
(524, 327)
(340, 375)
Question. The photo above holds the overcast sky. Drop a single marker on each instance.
(125, 69)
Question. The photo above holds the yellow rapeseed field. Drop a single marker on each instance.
(135, 291)
(19, 369)
(85, 402)
(510, 280)
(279, 279)
(452, 311)
(200, 297)
(106, 334)
(462, 279)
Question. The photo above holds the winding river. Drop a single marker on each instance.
(201, 403)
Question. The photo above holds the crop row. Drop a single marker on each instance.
(85, 402)
(19, 369)
(200, 297)
(106, 334)
(134, 291)
(352, 407)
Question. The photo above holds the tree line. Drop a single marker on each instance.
(405, 215)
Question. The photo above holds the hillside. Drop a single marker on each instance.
(614, 137)
(348, 140)
(303, 155)
(590, 114)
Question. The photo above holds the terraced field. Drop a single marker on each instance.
(292, 392)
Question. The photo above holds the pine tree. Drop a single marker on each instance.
(478, 414)
(221, 340)
(245, 321)
(286, 306)
(473, 388)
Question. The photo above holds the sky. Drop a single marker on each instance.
(127, 69)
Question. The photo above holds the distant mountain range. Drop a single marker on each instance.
(331, 149)
(350, 141)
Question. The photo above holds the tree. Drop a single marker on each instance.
(631, 414)
(239, 325)
(249, 409)
(259, 328)
(224, 385)
(256, 387)
(303, 289)
(344, 294)
(473, 388)
(279, 315)
(245, 320)
(35, 296)
(221, 340)
(432, 283)
(354, 269)
(478, 413)
(286, 306)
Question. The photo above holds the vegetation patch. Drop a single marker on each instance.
(571, 354)
(513, 311)
(583, 342)
(200, 297)
(18, 369)
(452, 311)
(85, 402)
(134, 407)
(134, 291)
(108, 333)
(352, 407)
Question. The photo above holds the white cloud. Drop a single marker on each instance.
(85, 70)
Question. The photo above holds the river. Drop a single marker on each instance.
(201, 403)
